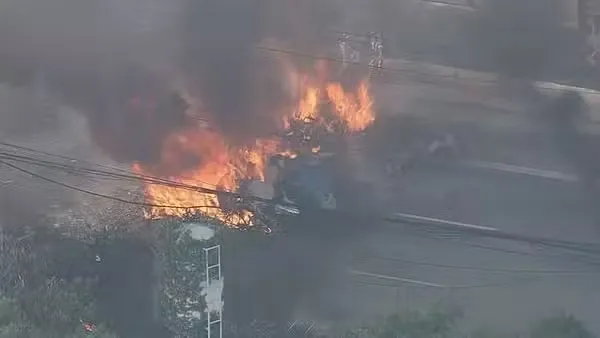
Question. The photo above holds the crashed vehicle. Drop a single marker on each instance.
(305, 182)
(293, 183)
(291, 186)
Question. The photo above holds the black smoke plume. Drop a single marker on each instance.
(113, 64)
(239, 84)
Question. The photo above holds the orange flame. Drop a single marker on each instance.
(308, 106)
(202, 157)
(355, 110)
(220, 168)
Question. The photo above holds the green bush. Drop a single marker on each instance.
(560, 326)
(443, 324)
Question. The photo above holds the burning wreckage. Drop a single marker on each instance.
(256, 187)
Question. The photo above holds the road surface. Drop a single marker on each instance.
(510, 179)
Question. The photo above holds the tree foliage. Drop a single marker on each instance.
(182, 273)
(437, 323)
(37, 297)
(444, 324)
(560, 326)
(17, 322)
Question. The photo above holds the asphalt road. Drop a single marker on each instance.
(515, 181)
(507, 175)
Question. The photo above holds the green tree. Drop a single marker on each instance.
(437, 323)
(35, 301)
(490, 333)
(181, 259)
(14, 323)
(443, 324)
(560, 326)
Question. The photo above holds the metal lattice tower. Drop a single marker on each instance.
(212, 270)
(349, 46)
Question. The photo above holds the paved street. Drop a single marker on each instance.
(513, 179)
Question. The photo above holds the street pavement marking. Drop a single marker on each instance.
(443, 221)
(524, 170)
(397, 279)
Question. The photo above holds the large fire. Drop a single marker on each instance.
(355, 110)
(222, 166)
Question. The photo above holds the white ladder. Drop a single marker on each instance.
(212, 270)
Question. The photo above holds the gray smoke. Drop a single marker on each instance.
(113, 60)
(240, 84)
(220, 39)
(98, 57)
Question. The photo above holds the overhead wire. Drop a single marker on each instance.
(127, 175)
(76, 160)
(463, 239)
(483, 269)
(114, 198)
(453, 77)
(399, 284)
(72, 159)
(592, 248)
(361, 65)
(6, 158)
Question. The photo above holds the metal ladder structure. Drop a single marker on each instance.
(212, 270)
(301, 328)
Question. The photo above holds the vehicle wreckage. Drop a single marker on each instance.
(292, 184)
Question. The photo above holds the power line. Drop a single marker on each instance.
(462, 238)
(19, 147)
(454, 78)
(591, 248)
(76, 160)
(397, 282)
(127, 175)
(358, 64)
(588, 248)
(483, 269)
(114, 198)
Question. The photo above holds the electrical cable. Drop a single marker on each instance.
(71, 159)
(19, 147)
(118, 199)
(588, 248)
(464, 239)
(451, 287)
(454, 78)
(107, 174)
(484, 269)
(358, 64)
(496, 233)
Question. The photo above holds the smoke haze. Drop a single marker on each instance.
(237, 85)
(116, 60)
